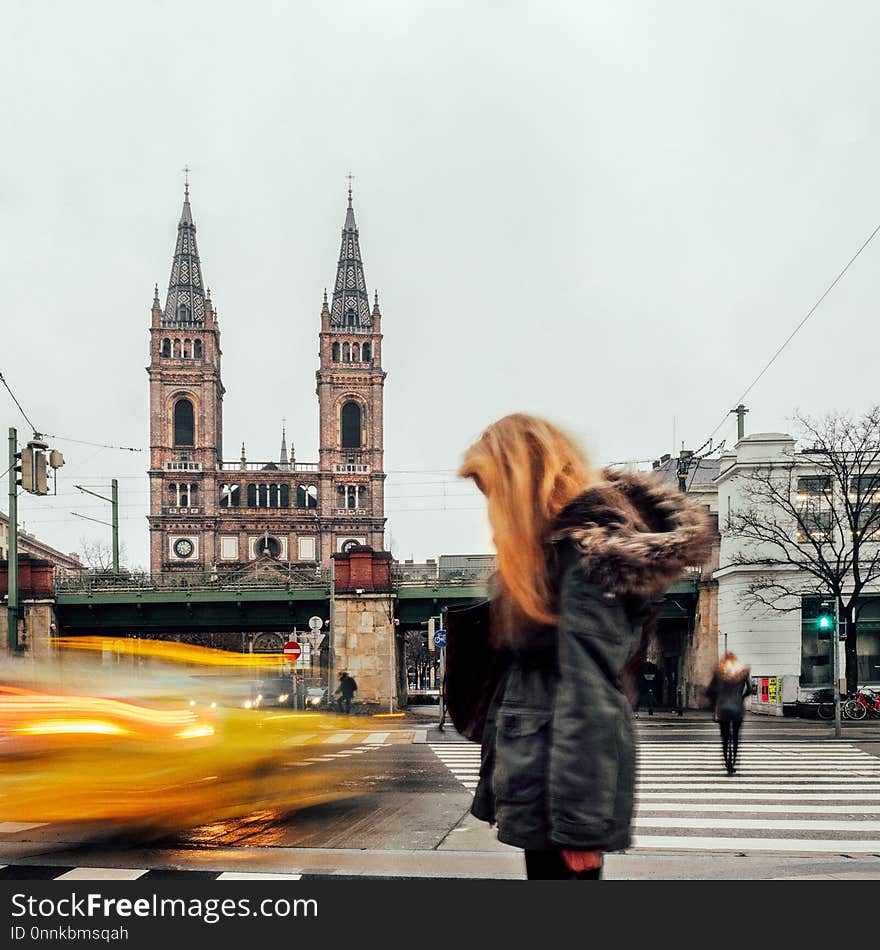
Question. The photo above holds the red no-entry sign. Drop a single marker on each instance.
(292, 649)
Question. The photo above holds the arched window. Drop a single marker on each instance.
(166, 347)
(172, 493)
(350, 418)
(183, 313)
(252, 496)
(335, 352)
(285, 496)
(346, 353)
(175, 349)
(184, 423)
(197, 349)
(184, 495)
(306, 496)
(355, 352)
(262, 496)
(229, 496)
(186, 352)
(365, 353)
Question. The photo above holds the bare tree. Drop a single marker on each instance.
(98, 555)
(811, 523)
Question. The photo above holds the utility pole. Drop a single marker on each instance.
(330, 634)
(114, 523)
(740, 413)
(12, 596)
(835, 645)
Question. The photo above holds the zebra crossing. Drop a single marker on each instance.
(821, 797)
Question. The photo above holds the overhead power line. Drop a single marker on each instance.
(11, 393)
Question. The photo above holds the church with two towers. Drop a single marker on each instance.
(215, 514)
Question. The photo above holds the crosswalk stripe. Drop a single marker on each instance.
(255, 876)
(376, 737)
(786, 807)
(102, 874)
(687, 843)
(339, 737)
(760, 824)
(14, 827)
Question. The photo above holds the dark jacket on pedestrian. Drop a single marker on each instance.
(347, 686)
(727, 691)
(558, 751)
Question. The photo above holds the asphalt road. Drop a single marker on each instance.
(802, 804)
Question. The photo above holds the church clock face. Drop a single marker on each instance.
(348, 545)
(183, 547)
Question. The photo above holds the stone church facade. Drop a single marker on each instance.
(210, 513)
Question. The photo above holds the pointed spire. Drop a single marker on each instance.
(325, 309)
(351, 304)
(292, 455)
(185, 303)
(283, 456)
(376, 312)
(156, 304)
(243, 458)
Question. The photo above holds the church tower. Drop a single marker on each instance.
(350, 384)
(186, 412)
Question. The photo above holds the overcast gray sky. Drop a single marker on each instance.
(609, 214)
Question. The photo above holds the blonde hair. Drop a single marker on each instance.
(528, 470)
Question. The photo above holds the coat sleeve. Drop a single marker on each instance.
(712, 690)
(592, 758)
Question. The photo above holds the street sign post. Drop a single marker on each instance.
(292, 651)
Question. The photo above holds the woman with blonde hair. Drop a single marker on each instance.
(581, 555)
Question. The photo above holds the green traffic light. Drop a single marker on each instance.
(825, 622)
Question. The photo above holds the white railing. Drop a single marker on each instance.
(345, 468)
(183, 466)
(261, 467)
(357, 512)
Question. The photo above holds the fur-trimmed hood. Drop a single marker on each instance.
(635, 534)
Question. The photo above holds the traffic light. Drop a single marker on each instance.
(825, 620)
(40, 482)
(27, 468)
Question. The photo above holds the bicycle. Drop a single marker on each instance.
(866, 702)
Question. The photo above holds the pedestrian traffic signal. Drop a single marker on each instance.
(825, 621)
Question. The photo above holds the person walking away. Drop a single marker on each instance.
(582, 554)
(728, 689)
(345, 691)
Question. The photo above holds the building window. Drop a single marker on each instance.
(335, 352)
(351, 318)
(864, 496)
(350, 418)
(184, 423)
(814, 503)
(346, 353)
(306, 549)
(166, 347)
(365, 353)
(306, 496)
(252, 496)
(184, 314)
(270, 546)
(197, 349)
(175, 349)
(229, 548)
(230, 496)
(284, 496)
(355, 352)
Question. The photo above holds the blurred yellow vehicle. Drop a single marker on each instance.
(152, 766)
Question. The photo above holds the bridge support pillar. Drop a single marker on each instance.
(36, 591)
(363, 639)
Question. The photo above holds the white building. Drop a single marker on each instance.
(790, 660)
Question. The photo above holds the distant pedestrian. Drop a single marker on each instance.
(345, 691)
(728, 689)
(647, 697)
(582, 556)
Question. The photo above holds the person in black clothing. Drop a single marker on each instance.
(582, 556)
(728, 689)
(345, 691)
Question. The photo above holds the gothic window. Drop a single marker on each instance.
(230, 496)
(183, 313)
(184, 423)
(270, 546)
(262, 496)
(350, 418)
(197, 349)
(346, 353)
(335, 352)
(365, 353)
(285, 496)
(175, 349)
(172, 493)
(166, 347)
(184, 495)
(306, 496)
(355, 352)
(252, 496)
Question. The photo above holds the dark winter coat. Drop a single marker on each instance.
(347, 686)
(728, 692)
(558, 752)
